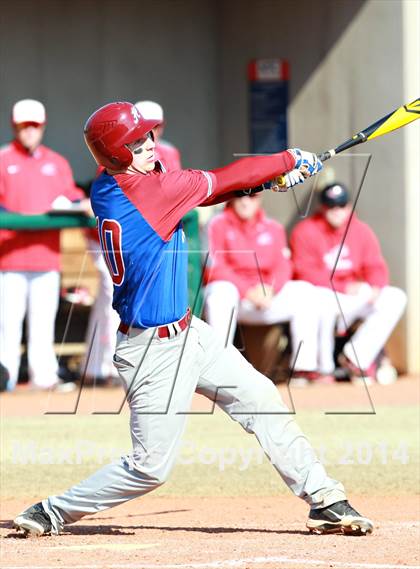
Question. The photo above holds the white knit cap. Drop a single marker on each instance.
(150, 110)
(28, 110)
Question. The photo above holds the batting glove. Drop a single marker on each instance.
(306, 162)
(287, 181)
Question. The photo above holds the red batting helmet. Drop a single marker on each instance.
(110, 129)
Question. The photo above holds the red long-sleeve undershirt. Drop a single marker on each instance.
(248, 173)
(163, 198)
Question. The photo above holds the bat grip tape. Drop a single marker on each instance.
(326, 155)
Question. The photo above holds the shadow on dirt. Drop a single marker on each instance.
(125, 530)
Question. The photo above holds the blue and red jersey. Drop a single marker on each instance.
(140, 229)
(141, 235)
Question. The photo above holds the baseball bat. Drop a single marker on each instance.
(398, 118)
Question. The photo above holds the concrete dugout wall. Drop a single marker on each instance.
(76, 55)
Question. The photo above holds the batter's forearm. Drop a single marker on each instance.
(220, 198)
(251, 172)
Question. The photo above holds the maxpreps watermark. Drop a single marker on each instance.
(81, 451)
(85, 452)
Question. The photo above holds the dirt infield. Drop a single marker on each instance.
(171, 532)
(217, 533)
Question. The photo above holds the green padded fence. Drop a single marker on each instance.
(54, 221)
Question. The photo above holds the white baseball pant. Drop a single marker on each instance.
(35, 294)
(160, 377)
(379, 319)
(103, 323)
(295, 303)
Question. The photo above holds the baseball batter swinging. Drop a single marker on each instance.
(164, 355)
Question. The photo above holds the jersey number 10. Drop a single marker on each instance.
(110, 234)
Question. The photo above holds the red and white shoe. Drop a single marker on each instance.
(358, 376)
(302, 378)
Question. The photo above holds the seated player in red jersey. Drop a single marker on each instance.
(164, 355)
(340, 253)
(250, 281)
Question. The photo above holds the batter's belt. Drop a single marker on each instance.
(166, 331)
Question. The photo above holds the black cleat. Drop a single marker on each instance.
(338, 518)
(34, 521)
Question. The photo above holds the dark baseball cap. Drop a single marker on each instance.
(334, 195)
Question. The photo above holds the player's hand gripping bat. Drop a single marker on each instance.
(398, 118)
